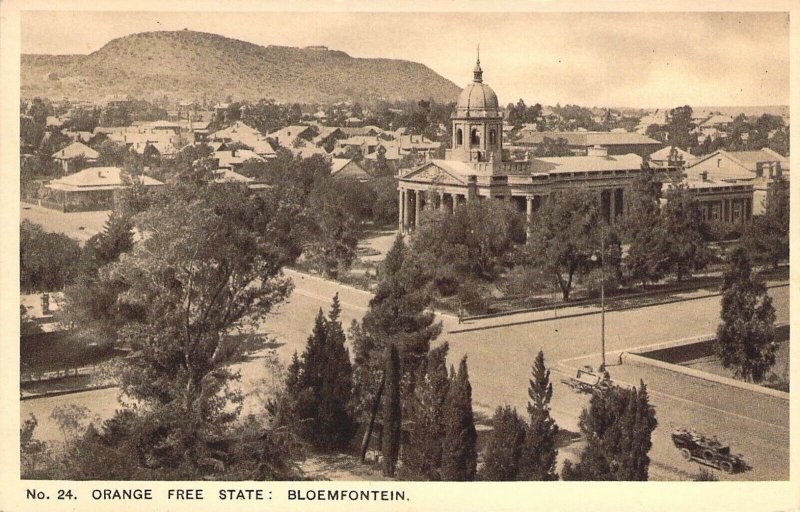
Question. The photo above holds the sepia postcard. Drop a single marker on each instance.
(347, 255)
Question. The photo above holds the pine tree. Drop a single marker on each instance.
(422, 457)
(746, 337)
(459, 455)
(539, 453)
(618, 427)
(392, 419)
(504, 449)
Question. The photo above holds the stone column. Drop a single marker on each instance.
(401, 204)
(528, 215)
(406, 210)
(441, 201)
(612, 206)
(453, 202)
(418, 207)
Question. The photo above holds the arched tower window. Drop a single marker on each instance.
(474, 138)
(459, 137)
(492, 138)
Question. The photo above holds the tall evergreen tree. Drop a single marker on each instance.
(746, 337)
(539, 453)
(398, 315)
(324, 384)
(392, 419)
(459, 455)
(422, 457)
(618, 427)
(504, 449)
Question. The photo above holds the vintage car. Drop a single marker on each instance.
(707, 450)
(587, 380)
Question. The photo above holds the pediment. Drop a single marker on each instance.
(432, 173)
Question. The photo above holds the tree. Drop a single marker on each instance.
(643, 229)
(204, 267)
(398, 315)
(47, 261)
(766, 238)
(334, 207)
(504, 448)
(392, 413)
(617, 426)
(563, 236)
(746, 337)
(472, 243)
(422, 456)
(459, 455)
(539, 451)
(552, 147)
(685, 249)
(320, 385)
(679, 128)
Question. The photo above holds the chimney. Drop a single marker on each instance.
(597, 150)
(704, 175)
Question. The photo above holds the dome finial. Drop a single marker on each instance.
(478, 72)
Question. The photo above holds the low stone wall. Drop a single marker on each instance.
(669, 354)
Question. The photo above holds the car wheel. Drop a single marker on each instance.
(726, 466)
(686, 454)
(708, 455)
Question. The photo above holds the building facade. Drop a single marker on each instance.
(478, 167)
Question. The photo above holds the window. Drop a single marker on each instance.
(492, 138)
(459, 137)
(474, 138)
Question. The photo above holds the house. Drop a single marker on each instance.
(670, 154)
(347, 168)
(580, 141)
(83, 137)
(246, 135)
(418, 143)
(718, 121)
(364, 144)
(287, 136)
(234, 159)
(328, 135)
(720, 200)
(92, 189)
(759, 168)
(69, 156)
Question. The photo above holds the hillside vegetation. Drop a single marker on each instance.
(187, 65)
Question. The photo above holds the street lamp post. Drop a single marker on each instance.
(602, 297)
(603, 300)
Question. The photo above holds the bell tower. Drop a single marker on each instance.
(477, 123)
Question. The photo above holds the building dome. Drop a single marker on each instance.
(478, 99)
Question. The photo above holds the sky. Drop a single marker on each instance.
(593, 59)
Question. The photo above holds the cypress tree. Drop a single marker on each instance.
(422, 457)
(392, 419)
(504, 449)
(459, 455)
(618, 427)
(320, 384)
(746, 337)
(539, 453)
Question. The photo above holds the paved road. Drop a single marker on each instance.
(500, 352)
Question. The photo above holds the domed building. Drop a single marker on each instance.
(477, 167)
